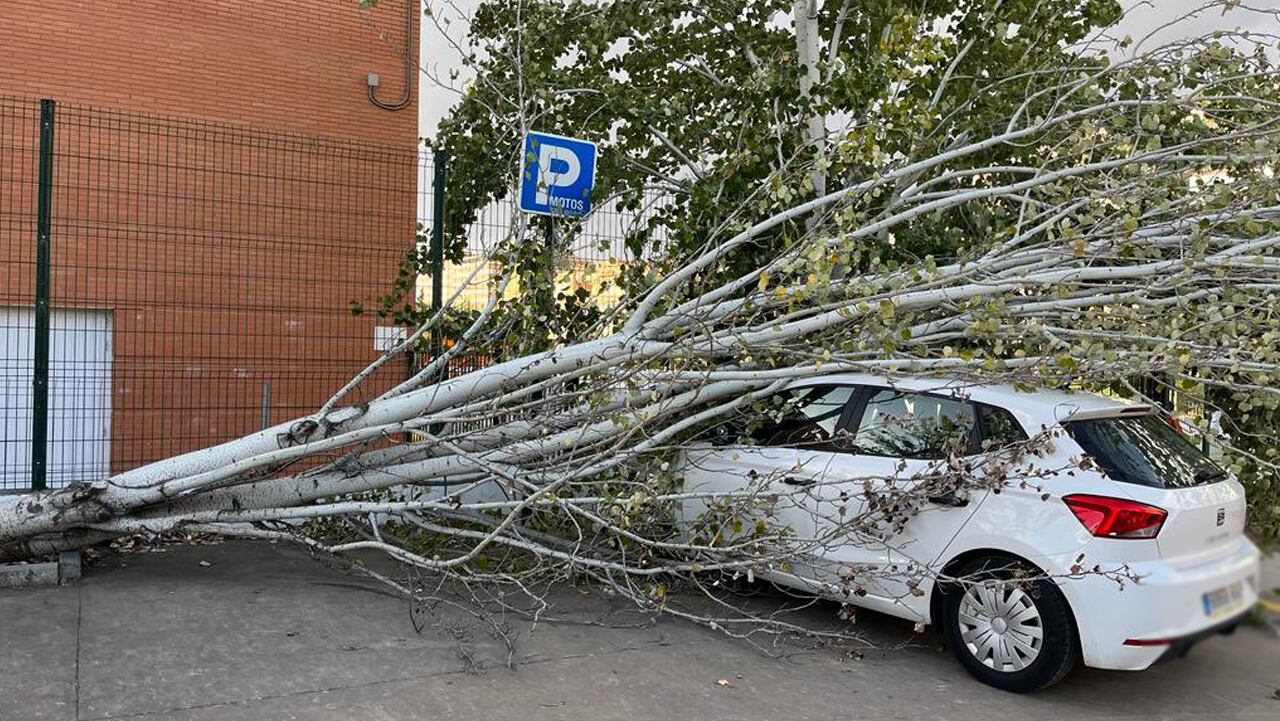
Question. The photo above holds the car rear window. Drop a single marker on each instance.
(1144, 450)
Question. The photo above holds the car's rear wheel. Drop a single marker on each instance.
(1008, 628)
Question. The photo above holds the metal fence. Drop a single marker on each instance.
(590, 251)
(170, 284)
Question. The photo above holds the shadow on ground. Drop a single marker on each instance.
(262, 632)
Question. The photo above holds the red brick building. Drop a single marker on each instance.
(292, 65)
(224, 190)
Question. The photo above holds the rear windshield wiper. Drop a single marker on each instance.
(1209, 475)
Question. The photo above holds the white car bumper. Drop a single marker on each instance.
(1132, 625)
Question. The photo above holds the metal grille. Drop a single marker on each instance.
(590, 251)
(201, 281)
(197, 281)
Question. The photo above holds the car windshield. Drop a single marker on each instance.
(1144, 450)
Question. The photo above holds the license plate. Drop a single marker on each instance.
(1220, 601)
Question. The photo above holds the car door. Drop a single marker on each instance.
(773, 462)
(882, 536)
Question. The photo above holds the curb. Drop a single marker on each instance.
(49, 573)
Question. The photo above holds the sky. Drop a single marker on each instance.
(439, 57)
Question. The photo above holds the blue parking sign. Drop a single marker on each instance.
(557, 175)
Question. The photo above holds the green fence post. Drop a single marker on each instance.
(40, 364)
(439, 162)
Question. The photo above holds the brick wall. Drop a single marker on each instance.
(296, 65)
(226, 218)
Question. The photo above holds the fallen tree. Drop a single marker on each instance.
(1121, 220)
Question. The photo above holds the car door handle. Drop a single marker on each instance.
(950, 499)
(793, 481)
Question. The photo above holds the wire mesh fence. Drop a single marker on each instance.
(591, 252)
(188, 282)
(200, 279)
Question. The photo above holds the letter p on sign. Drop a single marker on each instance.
(557, 175)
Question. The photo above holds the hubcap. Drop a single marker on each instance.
(1000, 626)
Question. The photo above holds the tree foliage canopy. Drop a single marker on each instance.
(707, 104)
(703, 101)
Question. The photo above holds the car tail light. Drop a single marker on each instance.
(1107, 517)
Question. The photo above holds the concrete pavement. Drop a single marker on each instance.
(256, 631)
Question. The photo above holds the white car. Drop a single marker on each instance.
(1124, 562)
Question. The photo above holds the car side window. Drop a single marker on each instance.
(914, 425)
(999, 428)
(804, 417)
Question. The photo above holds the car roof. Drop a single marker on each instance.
(1043, 403)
